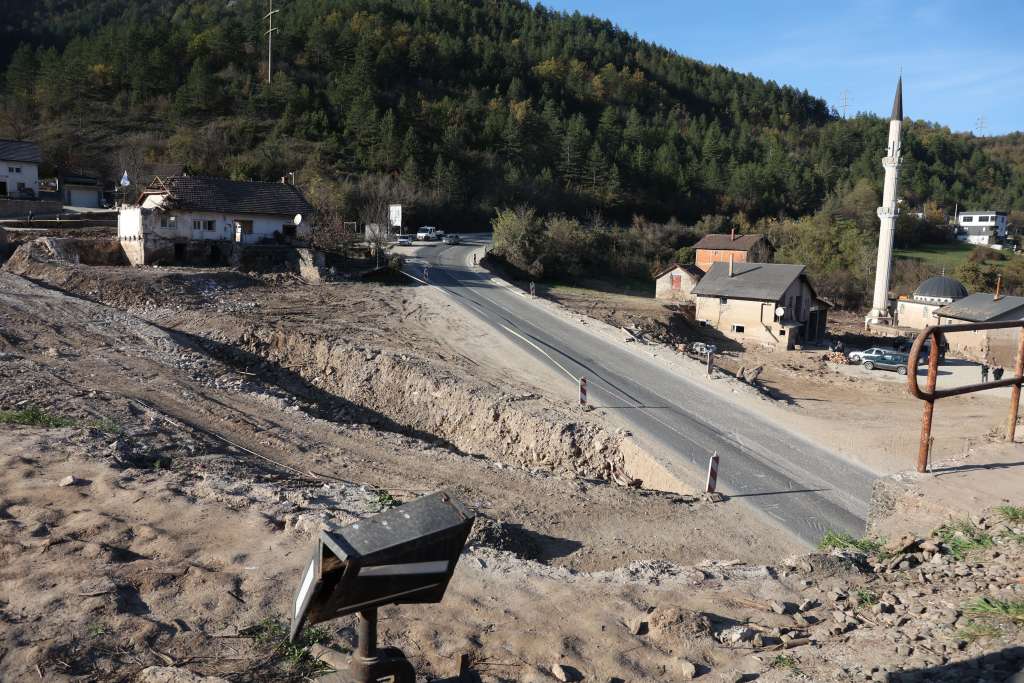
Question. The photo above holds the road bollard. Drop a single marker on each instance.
(583, 391)
(712, 474)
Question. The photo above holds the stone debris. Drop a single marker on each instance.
(67, 481)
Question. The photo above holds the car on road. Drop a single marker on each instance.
(890, 360)
(873, 352)
(428, 233)
(404, 241)
(451, 239)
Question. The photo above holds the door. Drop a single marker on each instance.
(3, 188)
(677, 282)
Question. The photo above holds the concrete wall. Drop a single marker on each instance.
(28, 175)
(663, 286)
(19, 208)
(916, 315)
(995, 347)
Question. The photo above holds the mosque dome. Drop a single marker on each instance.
(940, 288)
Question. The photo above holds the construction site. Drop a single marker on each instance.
(176, 438)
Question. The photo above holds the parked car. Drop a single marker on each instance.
(873, 352)
(889, 360)
(404, 241)
(428, 233)
(451, 239)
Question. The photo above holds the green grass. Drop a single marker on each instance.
(866, 598)
(107, 425)
(994, 608)
(273, 635)
(1011, 513)
(385, 501)
(974, 630)
(837, 540)
(948, 256)
(786, 662)
(34, 416)
(963, 537)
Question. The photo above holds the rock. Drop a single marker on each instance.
(565, 673)
(674, 624)
(777, 607)
(805, 606)
(686, 670)
(737, 634)
(173, 674)
(637, 625)
(67, 481)
(904, 650)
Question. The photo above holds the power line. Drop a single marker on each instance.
(269, 33)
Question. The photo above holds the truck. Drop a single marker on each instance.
(428, 233)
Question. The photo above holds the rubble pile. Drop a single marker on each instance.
(837, 357)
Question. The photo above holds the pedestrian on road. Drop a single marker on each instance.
(984, 372)
(533, 288)
(474, 259)
(997, 373)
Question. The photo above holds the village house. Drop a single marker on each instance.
(985, 346)
(718, 248)
(202, 219)
(19, 168)
(675, 282)
(918, 311)
(771, 303)
(80, 191)
(986, 228)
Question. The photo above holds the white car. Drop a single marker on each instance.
(404, 241)
(428, 233)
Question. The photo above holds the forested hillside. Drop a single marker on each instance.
(470, 105)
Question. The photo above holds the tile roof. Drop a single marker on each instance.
(220, 195)
(760, 281)
(982, 307)
(688, 267)
(726, 242)
(20, 150)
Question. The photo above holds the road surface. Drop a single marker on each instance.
(805, 488)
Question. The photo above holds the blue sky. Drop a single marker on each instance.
(960, 60)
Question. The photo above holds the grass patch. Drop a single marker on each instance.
(273, 634)
(866, 598)
(963, 537)
(34, 416)
(384, 501)
(837, 540)
(974, 630)
(994, 608)
(948, 256)
(107, 426)
(1013, 514)
(785, 662)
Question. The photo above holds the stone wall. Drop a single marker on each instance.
(19, 208)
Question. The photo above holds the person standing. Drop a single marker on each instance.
(984, 372)
(997, 373)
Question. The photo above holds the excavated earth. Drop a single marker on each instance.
(211, 422)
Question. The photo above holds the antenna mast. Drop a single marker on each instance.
(844, 102)
(981, 125)
(269, 33)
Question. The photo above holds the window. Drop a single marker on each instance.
(782, 332)
(722, 301)
(677, 282)
(17, 169)
(738, 328)
(967, 219)
(197, 225)
(165, 220)
(204, 225)
(10, 169)
(246, 227)
(288, 230)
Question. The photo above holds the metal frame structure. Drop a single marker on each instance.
(930, 394)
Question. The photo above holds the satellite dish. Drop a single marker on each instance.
(780, 311)
(298, 219)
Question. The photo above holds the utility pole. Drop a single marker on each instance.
(844, 101)
(980, 125)
(270, 37)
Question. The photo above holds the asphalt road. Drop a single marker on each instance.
(805, 488)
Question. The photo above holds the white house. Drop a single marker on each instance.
(19, 168)
(675, 282)
(981, 227)
(197, 218)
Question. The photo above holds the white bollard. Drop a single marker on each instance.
(712, 473)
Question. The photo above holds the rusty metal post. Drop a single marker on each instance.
(929, 405)
(1011, 424)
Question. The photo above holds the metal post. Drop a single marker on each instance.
(1011, 424)
(711, 362)
(712, 474)
(929, 405)
(366, 648)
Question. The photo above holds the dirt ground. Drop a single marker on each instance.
(212, 422)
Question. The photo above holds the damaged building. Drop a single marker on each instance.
(198, 219)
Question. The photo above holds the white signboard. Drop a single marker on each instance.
(395, 215)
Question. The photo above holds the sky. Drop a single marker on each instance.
(961, 61)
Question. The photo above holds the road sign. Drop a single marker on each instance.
(395, 215)
(712, 474)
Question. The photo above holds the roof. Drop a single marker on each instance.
(20, 150)
(982, 213)
(728, 242)
(689, 268)
(897, 104)
(761, 281)
(220, 195)
(69, 179)
(941, 287)
(983, 307)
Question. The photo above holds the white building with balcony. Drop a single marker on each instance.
(195, 218)
(987, 228)
(19, 169)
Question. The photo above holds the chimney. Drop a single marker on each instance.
(730, 266)
(732, 235)
(999, 282)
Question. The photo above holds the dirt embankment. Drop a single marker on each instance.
(517, 429)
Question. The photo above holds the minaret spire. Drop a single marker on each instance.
(887, 212)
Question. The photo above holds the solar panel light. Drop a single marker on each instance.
(404, 555)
